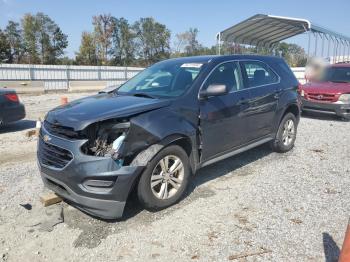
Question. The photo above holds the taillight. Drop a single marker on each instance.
(12, 97)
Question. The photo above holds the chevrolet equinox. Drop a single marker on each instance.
(154, 131)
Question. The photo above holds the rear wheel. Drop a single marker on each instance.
(286, 134)
(165, 179)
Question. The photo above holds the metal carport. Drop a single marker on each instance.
(267, 30)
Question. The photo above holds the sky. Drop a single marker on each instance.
(210, 17)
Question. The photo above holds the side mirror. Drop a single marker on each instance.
(213, 90)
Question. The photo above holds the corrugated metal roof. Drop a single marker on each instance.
(265, 30)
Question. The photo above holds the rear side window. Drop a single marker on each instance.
(286, 68)
(258, 73)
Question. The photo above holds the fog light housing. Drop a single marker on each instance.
(98, 185)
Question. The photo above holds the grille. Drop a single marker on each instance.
(53, 156)
(322, 97)
(61, 131)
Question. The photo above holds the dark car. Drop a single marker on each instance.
(11, 109)
(330, 95)
(157, 129)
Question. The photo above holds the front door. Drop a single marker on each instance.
(222, 118)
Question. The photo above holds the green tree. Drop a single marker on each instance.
(43, 40)
(51, 40)
(14, 37)
(103, 31)
(187, 44)
(30, 28)
(292, 53)
(65, 61)
(193, 47)
(87, 54)
(180, 43)
(153, 40)
(59, 43)
(5, 48)
(123, 42)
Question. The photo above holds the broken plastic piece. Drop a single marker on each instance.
(119, 162)
(118, 142)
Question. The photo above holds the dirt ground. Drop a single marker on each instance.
(257, 206)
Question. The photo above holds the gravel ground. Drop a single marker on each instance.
(257, 206)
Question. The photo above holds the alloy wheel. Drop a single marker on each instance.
(167, 177)
(288, 132)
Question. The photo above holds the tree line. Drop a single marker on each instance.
(37, 39)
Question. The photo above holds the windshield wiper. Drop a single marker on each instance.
(143, 95)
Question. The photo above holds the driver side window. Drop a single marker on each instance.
(226, 74)
(157, 80)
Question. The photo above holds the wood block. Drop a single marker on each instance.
(50, 199)
(33, 132)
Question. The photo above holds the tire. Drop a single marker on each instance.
(345, 118)
(281, 143)
(156, 198)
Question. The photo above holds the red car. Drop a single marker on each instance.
(330, 95)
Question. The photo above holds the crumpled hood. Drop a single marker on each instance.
(83, 112)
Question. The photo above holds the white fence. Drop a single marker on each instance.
(299, 73)
(59, 76)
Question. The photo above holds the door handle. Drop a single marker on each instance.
(277, 94)
(242, 101)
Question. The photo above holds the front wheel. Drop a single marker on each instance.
(286, 134)
(165, 179)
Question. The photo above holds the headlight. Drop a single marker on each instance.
(345, 98)
(106, 139)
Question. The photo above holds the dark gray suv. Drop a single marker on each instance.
(154, 131)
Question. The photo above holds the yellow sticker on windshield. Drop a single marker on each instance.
(192, 65)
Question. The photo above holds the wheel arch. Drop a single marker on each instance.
(143, 158)
(290, 108)
(185, 142)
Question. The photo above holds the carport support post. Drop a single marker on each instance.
(316, 38)
(218, 39)
(329, 40)
(322, 37)
(309, 44)
(67, 76)
(334, 50)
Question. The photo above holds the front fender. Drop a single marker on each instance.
(151, 131)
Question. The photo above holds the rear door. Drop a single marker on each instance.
(263, 84)
(222, 118)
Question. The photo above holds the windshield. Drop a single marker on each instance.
(337, 74)
(164, 79)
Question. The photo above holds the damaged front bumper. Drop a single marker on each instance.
(96, 185)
